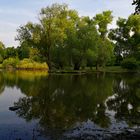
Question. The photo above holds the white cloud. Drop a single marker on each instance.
(8, 38)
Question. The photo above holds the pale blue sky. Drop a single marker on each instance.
(14, 13)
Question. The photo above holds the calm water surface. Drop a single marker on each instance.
(53, 107)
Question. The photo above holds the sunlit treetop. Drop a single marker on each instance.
(1, 45)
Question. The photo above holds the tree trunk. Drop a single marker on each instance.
(49, 64)
(48, 61)
(97, 66)
(77, 67)
(49, 58)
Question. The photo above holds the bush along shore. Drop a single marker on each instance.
(25, 64)
(29, 64)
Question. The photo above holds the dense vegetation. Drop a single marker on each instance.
(137, 3)
(63, 39)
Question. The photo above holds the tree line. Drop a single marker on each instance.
(63, 39)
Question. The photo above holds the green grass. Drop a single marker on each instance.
(119, 69)
(114, 69)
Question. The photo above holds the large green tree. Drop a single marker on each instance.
(81, 40)
(120, 35)
(134, 26)
(51, 30)
(103, 45)
(102, 21)
(127, 36)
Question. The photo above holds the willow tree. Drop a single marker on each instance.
(120, 35)
(104, 46)
(50, 32)
(127, 37)
(134, 26)
(80, 41)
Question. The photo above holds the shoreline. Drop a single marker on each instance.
(69, 71)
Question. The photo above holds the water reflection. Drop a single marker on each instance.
(126, 102)
(60, 102)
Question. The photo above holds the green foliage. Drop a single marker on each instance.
(120, 36)
(104, 48)
(34, 54)
(10, 62)
(137, 4)
(64, 39)
(80, 41)
(9, 52)
(23, 51)
(59, 57)
(30, 64)
(105, 52)
(91, 58)
(2, 46)
(127, 38)
(1, 59)
(50, 31)
(102, 20)
(129, 63)
(134, 23)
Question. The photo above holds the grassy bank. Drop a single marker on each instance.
(28, 64)
(117, 69)
(114, 69)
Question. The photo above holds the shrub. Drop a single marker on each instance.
(1, 59)
(129, 63)
(10, 62)
(30, 64)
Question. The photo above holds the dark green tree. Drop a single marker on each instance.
(103, 45)
(126, 37)
(120, 36)
(137, 4)
(80, 41)
(10, 52)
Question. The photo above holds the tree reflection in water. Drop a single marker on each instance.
(59, 102)
(126, 103)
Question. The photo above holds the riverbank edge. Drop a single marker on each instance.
(108, 69)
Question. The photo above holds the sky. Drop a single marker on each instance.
(14, 13)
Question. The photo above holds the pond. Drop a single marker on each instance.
(67, 106)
